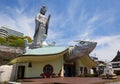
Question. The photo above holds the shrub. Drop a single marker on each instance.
(90, 75)
(117, 72)
(6, 59)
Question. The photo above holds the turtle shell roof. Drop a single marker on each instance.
(45, 51)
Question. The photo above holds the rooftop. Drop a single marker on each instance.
(46, 50)
(117, 57)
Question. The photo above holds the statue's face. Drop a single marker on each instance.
(43, 10)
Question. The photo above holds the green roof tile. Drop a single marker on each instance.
(45, 50)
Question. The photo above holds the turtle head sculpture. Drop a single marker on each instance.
(82, 48)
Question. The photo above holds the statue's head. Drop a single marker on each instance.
(43, 10)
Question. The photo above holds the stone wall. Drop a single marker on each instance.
(8, 53)
(11, 49)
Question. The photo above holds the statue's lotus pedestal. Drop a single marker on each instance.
(107, 76)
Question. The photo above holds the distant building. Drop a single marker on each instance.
(116, 62)
(6, 31)
(100, 66)
(94, 58)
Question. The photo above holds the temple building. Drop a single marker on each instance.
(50, 62)
(116, 62)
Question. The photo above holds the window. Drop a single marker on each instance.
(117, 65)
(48, 69)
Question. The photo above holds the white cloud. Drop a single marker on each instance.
(18, 21)
(6, 20)
(107, 47)
(83, 25)
(24, 24)
(107, 39)
(58, 21)
(88, 26)
(73, 8)
(54, 35)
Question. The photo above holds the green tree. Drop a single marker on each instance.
(2, 41)
(12, 37)
(28, 38)
(19, 42)
(14, 41)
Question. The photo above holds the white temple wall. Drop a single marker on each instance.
(37, 67)
(5, 73)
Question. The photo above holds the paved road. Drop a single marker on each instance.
(65, 80)
(113, 83)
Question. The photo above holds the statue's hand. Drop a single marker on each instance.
(39, 20)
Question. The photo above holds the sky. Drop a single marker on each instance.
(91, 20)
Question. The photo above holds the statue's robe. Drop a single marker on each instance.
(40, 29)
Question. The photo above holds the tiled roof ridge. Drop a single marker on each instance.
(117, 57)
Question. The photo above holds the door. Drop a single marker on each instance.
(21, 71)
(69, 70)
